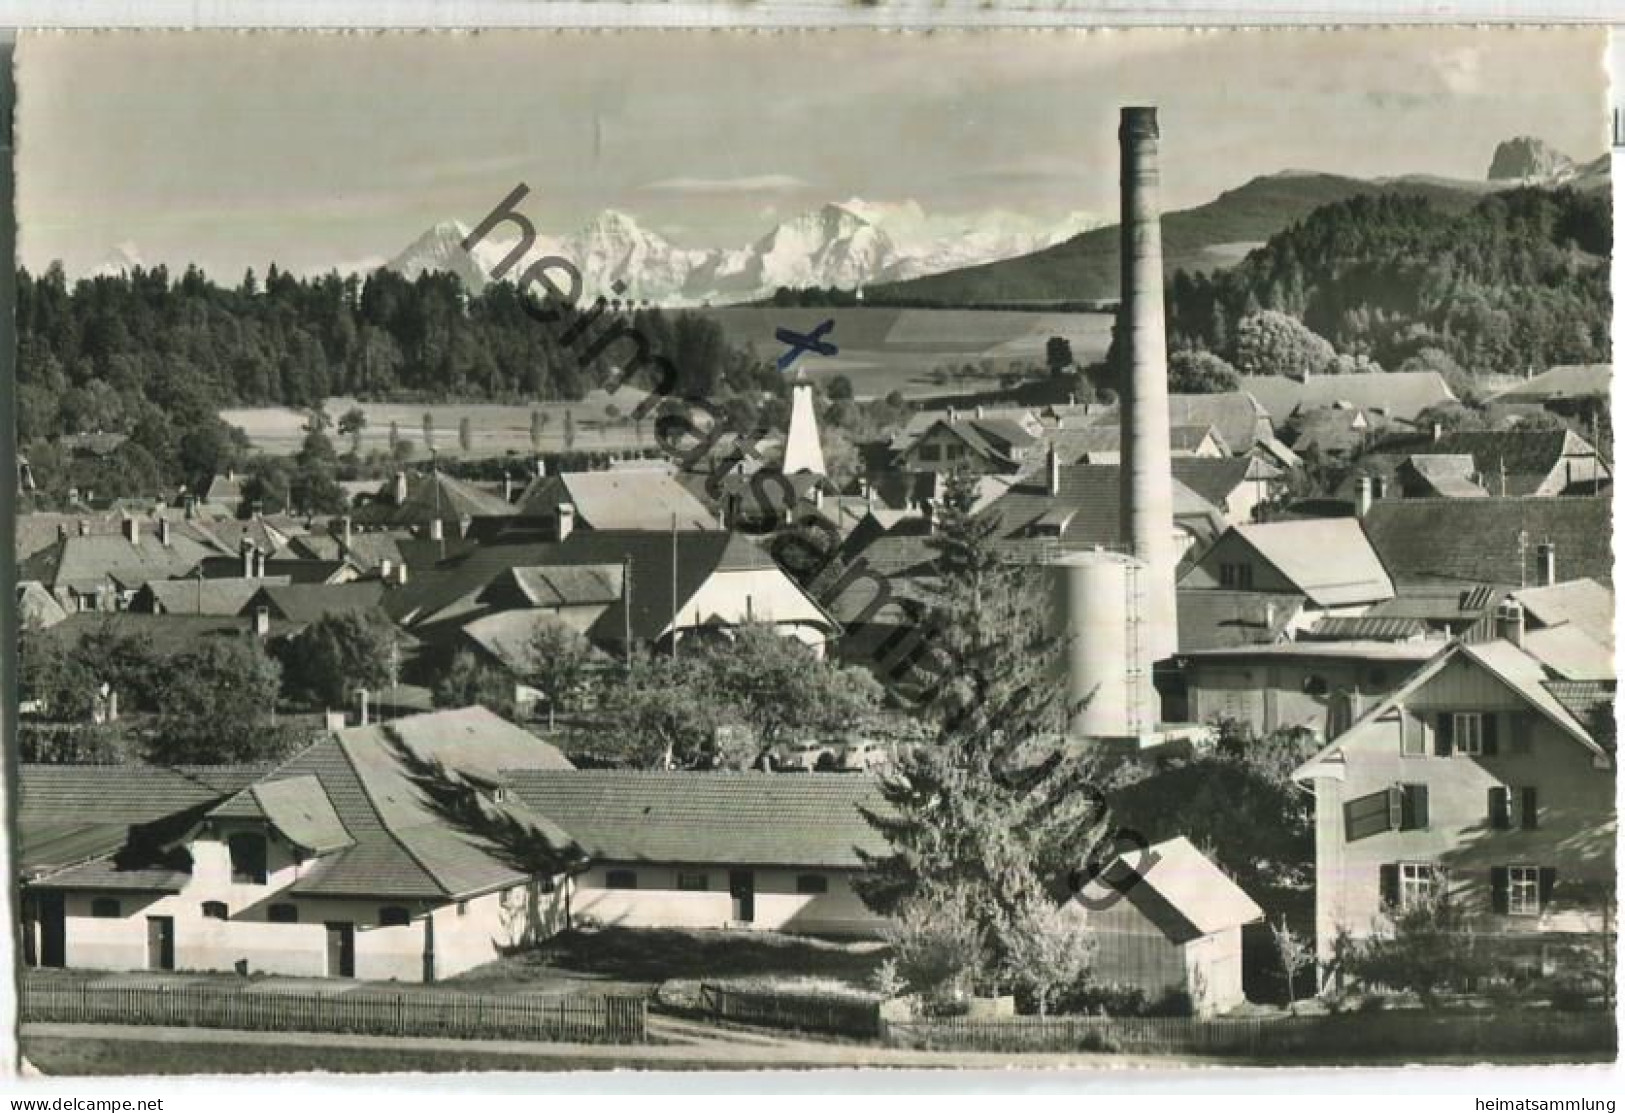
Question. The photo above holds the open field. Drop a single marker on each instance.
(886, 349)
(498, 430)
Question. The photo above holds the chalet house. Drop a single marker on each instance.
(1535, 462)
(1509, 543)
(712, 850)
(1326, 560)
(98, 572)
(918, 424)
(417, 850)
(1479, 779)
(1239, 419)
(341, 862)
(1168, 921)
(1236, 485)
(683, 584)
(302, 604)
(990, 445)
(198, 595)
(434, 505)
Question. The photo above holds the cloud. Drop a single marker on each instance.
(1461, 69)
(757, 183)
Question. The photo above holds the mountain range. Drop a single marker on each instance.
(849, 245)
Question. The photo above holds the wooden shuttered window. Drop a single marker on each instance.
(1413, 807)
(1528, 808)
(1368, 815)
(1548, 882)
(1502, 883)
(1444, 734)
(1499, 880)
(1487, 732)
(1388, 880)
(1500, 812)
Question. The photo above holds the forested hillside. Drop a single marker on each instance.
(1086, 268)
(100, 355)
(1518, 281)
(156, 359)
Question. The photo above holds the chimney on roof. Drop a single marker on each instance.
(1438, 432)
(112, 705)
(507, 487)
(566, 520)
(1147, 485)
(1362, 496)
(437, 529)
(1379, 487)
(132, 530)
(163, 531)
(386, 570)
(1545, 564)
(262, 621)
(1509, 622)
(400, 488)
(953, 415)
(259, 563)
(400, 574)
(84, 527)
(231, 475)
(541, 467)
(981, 411)
(1052, 467)
(1071, 400)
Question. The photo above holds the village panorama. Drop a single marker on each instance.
(1184, 631)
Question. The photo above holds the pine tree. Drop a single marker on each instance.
(1001, 801)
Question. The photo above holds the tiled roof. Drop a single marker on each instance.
(570, 585)
(1178, 888)
(1366, 629)
(1213, 479)
(306, 603)
(86, 561)
(165, 633)
(1216, 618)
(1477, 540)
(201, 596)
(299, 808)
(1583, 698)
(724, 818)
(403, 845)
(433, 497)
(1329, 559)
(617, 500)
(1568, 381)
(1236, 415)
(1400, 394)
(1584, 603)
(699, 554)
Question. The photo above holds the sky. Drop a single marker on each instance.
(235, 149)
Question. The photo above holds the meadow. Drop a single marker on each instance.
(886, 349)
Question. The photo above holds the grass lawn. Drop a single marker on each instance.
(638, 960)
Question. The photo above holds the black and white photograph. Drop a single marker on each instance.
(716, 550)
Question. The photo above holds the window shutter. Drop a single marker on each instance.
(1487, 724)
(1499, 817)
(1530, 807)
(1498, 889)
(1419, 807)
(1398, 808)
(1389, 875)
(1548, 881)
(1443, 734)
(1367, 815)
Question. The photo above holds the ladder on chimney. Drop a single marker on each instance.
(1133, 673)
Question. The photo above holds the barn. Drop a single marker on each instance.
(1168, 920)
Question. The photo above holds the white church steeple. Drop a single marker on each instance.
(803, 452)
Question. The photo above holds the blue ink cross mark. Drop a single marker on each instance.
(812, 342)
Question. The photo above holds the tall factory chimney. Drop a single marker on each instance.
(1147, 473)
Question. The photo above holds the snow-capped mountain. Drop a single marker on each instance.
(846, 245)
(123, 259)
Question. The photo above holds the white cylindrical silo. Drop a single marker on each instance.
(1105, 656)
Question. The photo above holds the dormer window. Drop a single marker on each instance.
(1237, 576)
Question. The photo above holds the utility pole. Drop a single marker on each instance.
(626, 607)
(674, 607)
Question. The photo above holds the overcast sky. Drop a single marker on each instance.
(235, 149)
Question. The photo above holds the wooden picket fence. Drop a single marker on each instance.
(1417, 1034)
(806, 1012)
(607, 1019)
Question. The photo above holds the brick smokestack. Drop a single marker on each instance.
(1147, 473)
